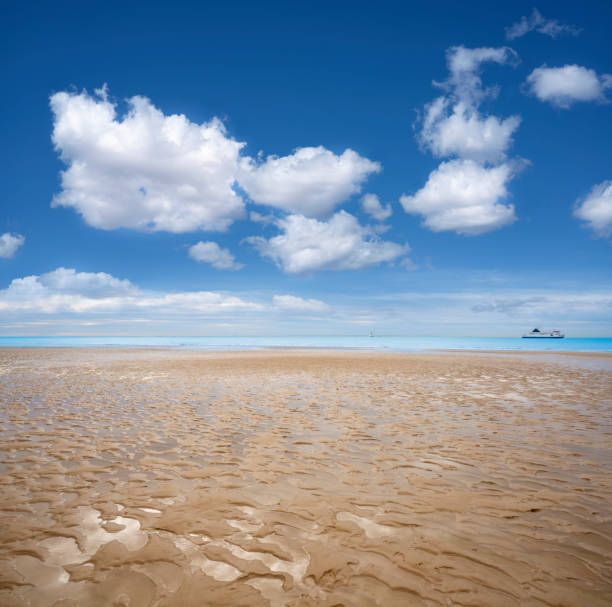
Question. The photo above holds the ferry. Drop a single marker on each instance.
(555, 333)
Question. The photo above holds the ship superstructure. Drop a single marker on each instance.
(540, 333)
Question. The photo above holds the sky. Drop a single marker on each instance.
(271, 168)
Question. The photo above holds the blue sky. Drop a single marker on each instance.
(277, 168)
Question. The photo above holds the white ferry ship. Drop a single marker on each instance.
(555, 333)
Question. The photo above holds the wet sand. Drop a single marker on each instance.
(160, 477)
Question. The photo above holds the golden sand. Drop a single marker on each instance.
(157, 477)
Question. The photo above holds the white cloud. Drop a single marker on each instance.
(144, 170)
(460, 130)
(99, 284)
(596, 209)
(297, 304)
(452, 124)
(212, 253)
(548, 27)
(111, 306)
(256, 217)
(147, 171)
(463, 63)
(465, 197)
(563, 86)
(307, 245)
(370, 203)
(311, 181)
(9, 243)
(67, 291)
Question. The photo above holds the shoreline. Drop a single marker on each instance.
(560, 357)
(248, 348)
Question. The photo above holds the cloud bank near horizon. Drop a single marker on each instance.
(85, 300)
(91, 298)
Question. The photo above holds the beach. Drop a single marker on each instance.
(153, 476)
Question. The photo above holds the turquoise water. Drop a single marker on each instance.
(384, 343)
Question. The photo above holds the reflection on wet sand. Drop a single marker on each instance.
(157, 477)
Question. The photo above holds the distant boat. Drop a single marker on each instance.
(371, 333)
(555, 333)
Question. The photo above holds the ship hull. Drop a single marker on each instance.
(543, 336)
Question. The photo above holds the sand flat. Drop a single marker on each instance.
(171, 477)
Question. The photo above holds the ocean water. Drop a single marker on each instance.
(383, 343)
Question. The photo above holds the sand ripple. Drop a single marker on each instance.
(151, 477)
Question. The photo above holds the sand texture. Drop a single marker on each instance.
(157, 477)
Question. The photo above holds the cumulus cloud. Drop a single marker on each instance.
(144, 170)
(453, 125)
(465, 197)
(466, 194)
(149, 171)
(564, 86)
(464, 64)
(548, 27)
(311, 181)
(370, 203)
(9, 243)
(307, 245)
(297, 304)
(463, 132)
(450, 130)
(212, 253)
(92, 284)
(68, 291)
(596, 209)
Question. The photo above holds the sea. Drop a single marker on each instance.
(381, 343)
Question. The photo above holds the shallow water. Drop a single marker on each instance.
(382, 343)
(156, 477)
